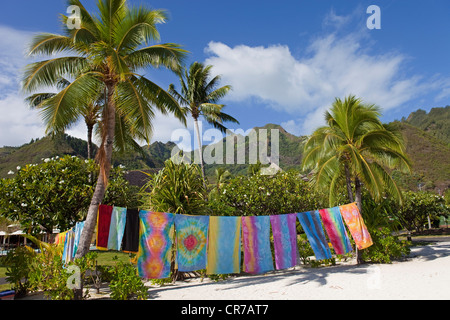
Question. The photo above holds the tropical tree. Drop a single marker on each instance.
(91, 112)
(355, 148)
(105, 55)
(199, 96)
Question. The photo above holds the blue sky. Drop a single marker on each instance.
(286, 60)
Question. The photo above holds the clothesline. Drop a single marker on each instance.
(214, 242)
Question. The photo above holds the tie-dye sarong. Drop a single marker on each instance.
(117, 228)
(312, 226)
(224, 245)
(332, 221)
(356, 226)
(155, 244)
(285, 240)
(256, 241)
(192, 235)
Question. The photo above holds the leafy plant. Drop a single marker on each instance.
(126, 283)
(284, 192)
(386, 247)
(177, 188)
(17, 264)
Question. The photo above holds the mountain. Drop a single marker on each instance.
(426, 135)
(39, 149)
(436, 122)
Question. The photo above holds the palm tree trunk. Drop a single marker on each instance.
(348, 182)
(358, 200)
(100, 188)
(89, 141)
(200, 150)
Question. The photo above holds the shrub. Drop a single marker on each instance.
(177, 188)
(17, 264)
(284, 192)
(126, 283)
(386, 247)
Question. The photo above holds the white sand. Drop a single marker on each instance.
(424, 275)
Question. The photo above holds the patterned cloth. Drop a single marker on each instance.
(103, 223)
(155, 244)
(356, 226)
(78, 230)
(256, 243)
(224, 245)
(117, 228)
(192, 235)
(312, 226)
(285, 240)
(332, 221)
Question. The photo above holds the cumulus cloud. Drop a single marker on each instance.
(303, 87)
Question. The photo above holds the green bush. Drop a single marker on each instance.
(386, 247)
(126, 283)
(17, 264)
(284, 192)
(177, 188)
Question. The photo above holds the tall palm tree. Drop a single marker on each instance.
(91, 112)
(355, 147)
(105, 55)
(199, 96)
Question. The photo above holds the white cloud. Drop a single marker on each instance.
(304, 87)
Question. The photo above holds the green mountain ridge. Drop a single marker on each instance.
(426, 135)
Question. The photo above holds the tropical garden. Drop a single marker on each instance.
(96, 71)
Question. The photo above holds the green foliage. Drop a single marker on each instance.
(56, 193)
(417, 206)
(285, 192)
(126, 283)
(386, 247)
(355, 146)
(52, 194)
(177, 188)
(17, 264)
(304, 248)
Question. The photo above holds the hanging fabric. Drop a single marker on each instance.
(78, 230)
(285, 240)
(256, 244)
(68, 246)
(155, 244)
(356, 226)
(192, 236)
(224, 245)
(117, 228)
(312, 225)
(332, 221)
(103, 224)
(130, 239)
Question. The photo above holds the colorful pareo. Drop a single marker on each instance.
(155, 244)
(256, 244)
(192, 235)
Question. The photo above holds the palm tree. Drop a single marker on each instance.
(355, 147)
(104, 56)
(199, 97)
(91, 112)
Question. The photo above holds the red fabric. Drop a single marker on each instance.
(103, 223)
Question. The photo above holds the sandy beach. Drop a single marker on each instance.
(425, 274)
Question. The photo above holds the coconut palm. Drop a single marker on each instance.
(105, 56)
(91, 112)
(199, 96)
(355, 148)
